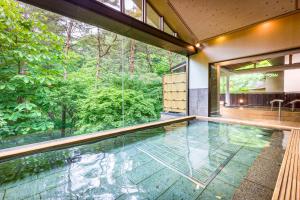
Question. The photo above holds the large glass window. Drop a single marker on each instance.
(167, 29)
(115, 4)
(152, 17)
(60, 77)
(134, 8)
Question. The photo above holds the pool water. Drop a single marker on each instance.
(191, 160)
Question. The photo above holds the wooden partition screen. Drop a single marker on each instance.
(175, 92)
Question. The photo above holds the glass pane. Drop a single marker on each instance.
(68, 83)
(134, 8)
(148, 90)
(167, 29)
(152, 17)
(76, 78)
(115, 4)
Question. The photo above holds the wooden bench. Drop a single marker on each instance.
(288, 181)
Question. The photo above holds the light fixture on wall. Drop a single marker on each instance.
(221, 39)
(241, 102)
(266, 24)
(199, 46)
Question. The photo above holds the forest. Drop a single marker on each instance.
(61, 75)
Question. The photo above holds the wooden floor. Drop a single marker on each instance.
(288, 182)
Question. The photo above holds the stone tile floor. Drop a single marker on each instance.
(201, 161)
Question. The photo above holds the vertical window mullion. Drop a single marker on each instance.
(122, 6)
(161, 23)
(144, 11)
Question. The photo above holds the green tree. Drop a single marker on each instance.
(29, 61)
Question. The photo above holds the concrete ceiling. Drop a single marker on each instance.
(205, 19)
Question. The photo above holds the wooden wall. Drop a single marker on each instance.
(260, 99)
(175, 92)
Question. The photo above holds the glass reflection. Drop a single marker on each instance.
(134, 8)
(152, 17)
(115, 4)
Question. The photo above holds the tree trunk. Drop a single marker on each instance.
(170, 59)
(63, 119)
(67, 48)
(68, 44)
(21, 71)
(98, 58)
(131, 58)
(148, 58)
(103, 50)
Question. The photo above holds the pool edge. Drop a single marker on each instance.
(246, 122)
(24, 150)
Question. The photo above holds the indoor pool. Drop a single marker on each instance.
(189, 160)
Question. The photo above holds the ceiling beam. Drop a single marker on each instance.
(100, 15)
(268, 69)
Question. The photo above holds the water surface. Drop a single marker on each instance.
(202, 160)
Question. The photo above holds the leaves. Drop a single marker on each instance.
(34, 91)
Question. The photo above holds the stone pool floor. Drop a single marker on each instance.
(200, 161)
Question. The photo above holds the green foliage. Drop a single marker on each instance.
(242, 83)
(42, 80)
(263, 63)
(103, 109)
(29, 55)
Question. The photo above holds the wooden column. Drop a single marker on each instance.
(227, 95)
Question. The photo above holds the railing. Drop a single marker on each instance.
(279, 101)
(293, 103)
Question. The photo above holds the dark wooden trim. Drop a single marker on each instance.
(98, 14)
(290, 59)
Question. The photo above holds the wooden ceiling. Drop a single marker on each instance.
(205, 19)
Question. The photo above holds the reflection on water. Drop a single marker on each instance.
(174, 162)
